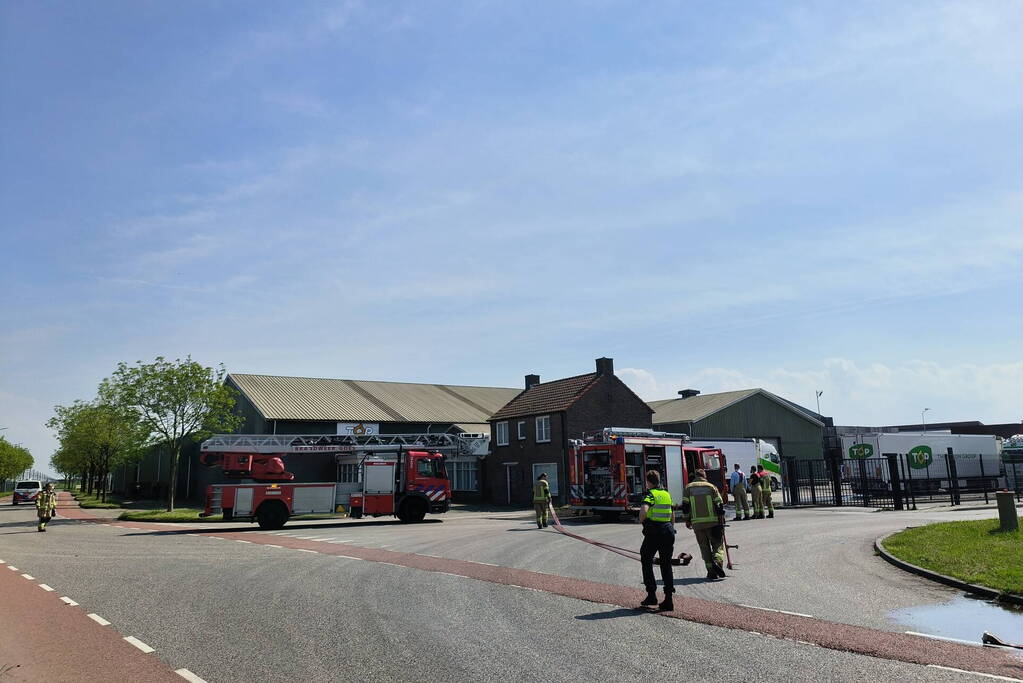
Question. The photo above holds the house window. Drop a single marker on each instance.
(464, 475)
(543, 428)
(522, 430)
(502, 433)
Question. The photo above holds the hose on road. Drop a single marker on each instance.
(683, 558)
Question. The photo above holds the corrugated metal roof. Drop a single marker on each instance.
(343, 400)
(695, 408)
(547, 397)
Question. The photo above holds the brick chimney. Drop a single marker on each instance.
(689, 393)
(605, 366)
(532, 380)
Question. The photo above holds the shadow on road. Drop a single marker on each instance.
(615, 614)
(290, 527)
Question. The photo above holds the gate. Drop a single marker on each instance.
(866, 483)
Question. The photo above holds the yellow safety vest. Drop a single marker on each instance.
(659, 501)
(541, 492)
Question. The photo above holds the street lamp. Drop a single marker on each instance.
(923, 418)
(819, 392)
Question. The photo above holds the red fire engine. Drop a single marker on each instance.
(607, 470)
(393, 474)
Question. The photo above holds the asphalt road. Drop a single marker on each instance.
(248, 611)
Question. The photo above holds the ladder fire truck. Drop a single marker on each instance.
(607, 470)
(392, 474)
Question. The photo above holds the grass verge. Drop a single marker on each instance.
(976, 552)
(94, 502)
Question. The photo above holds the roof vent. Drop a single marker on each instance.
(605, 366)
(689, 393)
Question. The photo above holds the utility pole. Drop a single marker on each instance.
(923, 417)
(819, 392)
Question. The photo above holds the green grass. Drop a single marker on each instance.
(970, 551)
(93, 501)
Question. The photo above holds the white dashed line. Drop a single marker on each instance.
(139, 644)
(189, 676)
(271, 545)
(778, 611)
(303, 550)
(240, 541)
(975, 673)
(3, 561)
(28, 576)
(349, 557)
(307, 538)
(98, 619)
(69, 601)
(12, 568)
(46, 588)
(215, 538)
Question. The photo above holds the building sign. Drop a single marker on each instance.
(861, 451)
(358, 428)
(920, 457)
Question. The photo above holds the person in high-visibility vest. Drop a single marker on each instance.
(754, 489)
(738, 488)
(541, 500)
(765, 492)
(658, 519)
(704, 512)
(46, 505)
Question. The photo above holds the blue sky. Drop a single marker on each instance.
(797, 196)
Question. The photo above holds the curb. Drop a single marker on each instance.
(972, 588)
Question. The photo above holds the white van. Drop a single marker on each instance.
(26, 492)
(746, 452)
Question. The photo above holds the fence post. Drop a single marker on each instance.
(910, 489)
(791, 480)
(835, 469)
(953, 475)
(864, 494)
(895, 479)
(983, 479)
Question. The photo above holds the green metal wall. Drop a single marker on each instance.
(758, 416)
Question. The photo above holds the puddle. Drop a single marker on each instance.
(965, 618)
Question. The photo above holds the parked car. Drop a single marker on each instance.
(26, 492)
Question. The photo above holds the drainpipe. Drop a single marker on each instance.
(564, 457)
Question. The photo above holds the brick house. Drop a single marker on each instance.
(530, 434)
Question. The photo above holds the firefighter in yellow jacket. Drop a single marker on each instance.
(703, 511)
(46, 505)
(541, 500)
(765, 492)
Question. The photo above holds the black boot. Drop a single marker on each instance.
(719, 571)
(711, 574)
(666, 605)
(770, 515)
(651, 599)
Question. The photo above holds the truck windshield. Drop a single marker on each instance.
(431, 467)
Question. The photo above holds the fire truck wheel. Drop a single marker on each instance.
(355, 513)
(774, 484)
(412, 510)
(609, 515)
(272, 515)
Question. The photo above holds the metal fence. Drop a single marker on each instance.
(899, 480)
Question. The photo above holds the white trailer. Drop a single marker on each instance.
(747, 452)
(976, 456)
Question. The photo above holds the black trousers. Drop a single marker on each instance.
(659, 542)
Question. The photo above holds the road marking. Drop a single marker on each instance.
(215, 538)
(98, 619)
(12, 567)
(975, 673)
(241, 541)
(307, 538)
(347, 540)
(139, 644)
(46, 588)
(349, 557)
(951, 640)
(271, 545)
(489, 564)
(303, 550)
(69, 601)
(28, 576)
(189, 676)
(779, 611)
(3, 561)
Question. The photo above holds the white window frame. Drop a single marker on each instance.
(501, 432)
(551, 468)
(543, 435)
(522, 430)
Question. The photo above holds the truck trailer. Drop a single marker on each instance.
(747, 452)
(399, 474)
(607, 469)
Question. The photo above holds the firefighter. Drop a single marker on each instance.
(658, 519)
(46, 505)
(765, 492)
(541, 500)
(738, 487)
(754, 487)
(704, 513)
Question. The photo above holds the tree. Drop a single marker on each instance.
(14, 460)
(95, 437)
(173, 402)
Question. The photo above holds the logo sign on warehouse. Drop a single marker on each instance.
(861, 451)
(920, 457)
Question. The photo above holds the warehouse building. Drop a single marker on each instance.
(273, 404)
(750, 413)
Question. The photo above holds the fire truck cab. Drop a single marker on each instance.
(607, 470)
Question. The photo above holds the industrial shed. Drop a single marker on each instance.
(749, 413)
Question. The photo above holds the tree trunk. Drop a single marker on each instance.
(172, 485)
(88, 479)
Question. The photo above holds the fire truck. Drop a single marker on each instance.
(394, 474)
(607, 469)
